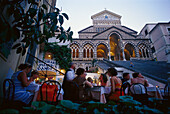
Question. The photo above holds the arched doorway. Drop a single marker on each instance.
(115, 49)
(129, 51)
(102, 51)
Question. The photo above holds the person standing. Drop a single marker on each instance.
(68, 78)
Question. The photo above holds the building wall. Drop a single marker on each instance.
(104, 29)
(8, 65)
(161, 41)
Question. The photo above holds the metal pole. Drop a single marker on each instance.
(45, 63)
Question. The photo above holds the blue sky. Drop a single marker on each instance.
(135, 13)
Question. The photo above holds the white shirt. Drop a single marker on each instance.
(70, 74)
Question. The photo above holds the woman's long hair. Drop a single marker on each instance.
(24, 66)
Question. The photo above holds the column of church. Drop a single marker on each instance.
(95, 53)
(146, 56)
(137, 52)
(123, 53)
(80, 54)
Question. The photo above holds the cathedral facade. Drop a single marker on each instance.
(108, 39)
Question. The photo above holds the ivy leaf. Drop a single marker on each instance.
(16, 45)
(32, 12)
(23, 51)
(61, 19)
(65, 15)
(69, 29)
(44, 6)
(33, 2)
(19, 50)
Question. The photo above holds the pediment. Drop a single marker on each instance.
(106, 32)
(103, 15)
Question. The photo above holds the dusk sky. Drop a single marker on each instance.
(135, 13)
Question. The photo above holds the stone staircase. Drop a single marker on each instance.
(151, 69)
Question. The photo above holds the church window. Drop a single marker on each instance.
(147, 54)
(106, 17)
(88, 51)
(146, 32)
(168, 30)
(74, 50)
(143, 51)
(153, 49)
(91, 53)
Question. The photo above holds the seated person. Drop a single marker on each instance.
(125, 79)
(90, 80)
(21, 83)
(33, 87)
(116, 84)
(81, 81)
(103, 79)
(138, 78)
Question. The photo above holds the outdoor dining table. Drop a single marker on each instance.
(151, 91)
(98, 93)
(154, 92)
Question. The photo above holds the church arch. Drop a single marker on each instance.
(129, 51)
(88, 43)
(102, 51)
(88, 51)
(74, 43)
(143, 50)
(74, 50)
(115, 46)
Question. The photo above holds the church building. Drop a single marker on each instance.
(108, 39)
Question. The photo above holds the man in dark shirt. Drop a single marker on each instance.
(125, 82)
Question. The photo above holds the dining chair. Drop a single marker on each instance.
(50, 91)
(167, 91)
(8, 90)
(73, 91)
(139, 92)
(9, 94)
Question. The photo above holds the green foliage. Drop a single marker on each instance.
(61, 54)
(27, 24)
(66, 106)
(9, 111)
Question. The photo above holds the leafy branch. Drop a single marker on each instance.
(61, 54)
(31, 26)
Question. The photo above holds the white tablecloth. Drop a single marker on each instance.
(97, 93)
(154, 92)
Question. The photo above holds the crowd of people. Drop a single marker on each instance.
(108, 79)
(26, 89)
